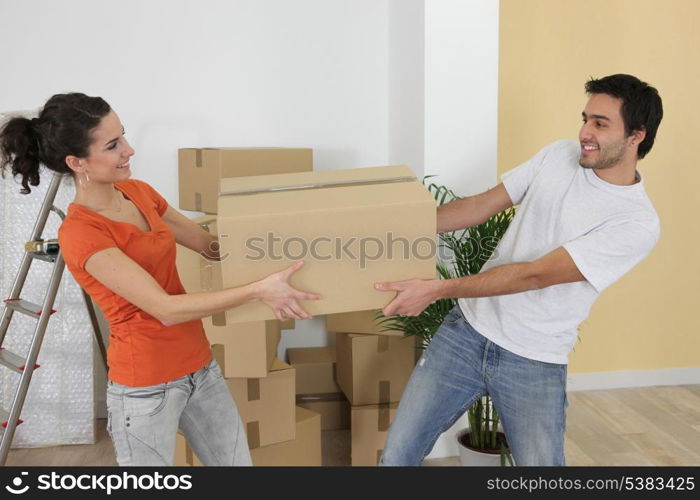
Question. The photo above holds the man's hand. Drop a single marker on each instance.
(412, 297)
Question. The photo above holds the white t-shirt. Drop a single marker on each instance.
(607, 229)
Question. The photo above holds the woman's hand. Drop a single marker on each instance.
(276, 292)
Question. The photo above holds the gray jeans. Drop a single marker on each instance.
(143, 421)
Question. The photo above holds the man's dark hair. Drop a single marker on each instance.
(641, 105)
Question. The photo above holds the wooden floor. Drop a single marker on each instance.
(647, 426)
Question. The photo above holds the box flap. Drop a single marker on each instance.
(315, 180)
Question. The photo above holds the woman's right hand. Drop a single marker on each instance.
(276, 292)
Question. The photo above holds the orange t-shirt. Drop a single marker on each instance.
(142, 351)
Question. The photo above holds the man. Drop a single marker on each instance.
(584, 221)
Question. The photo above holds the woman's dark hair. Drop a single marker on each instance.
(641, 105)
(63, 128)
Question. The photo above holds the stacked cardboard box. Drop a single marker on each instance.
(304, 450)
(373, 370)
(262, 386)
(316, 388)
(201, 169)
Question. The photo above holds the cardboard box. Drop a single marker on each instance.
(315, 369)
(333, 408)
(352, 228)
(373, 369)
(200, 170)
(370, 425)
(303, 451)
(359, 322)
(266, 405)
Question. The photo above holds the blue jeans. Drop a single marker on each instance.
(143, 421)
(458, 367)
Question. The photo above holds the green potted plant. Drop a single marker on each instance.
(463, 252)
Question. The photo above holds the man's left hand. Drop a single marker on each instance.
(412, 296)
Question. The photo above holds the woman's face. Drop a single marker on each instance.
(109, 153)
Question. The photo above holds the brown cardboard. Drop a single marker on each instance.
(328, 214)
(242, 349)
(304, 450)
(315, 368)
(373, 369)
(370, 425)
(245, 349)
(359, 322)
(266, 405)
(200, 170)
(288, 324)
(181, 456)
(333, 408)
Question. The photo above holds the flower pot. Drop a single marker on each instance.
(477, 458)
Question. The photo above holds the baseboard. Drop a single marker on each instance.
(446, 445)
(633, 378)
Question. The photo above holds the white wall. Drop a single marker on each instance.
(406, 97)
(461, 110)
(461, 93)
(307, 73)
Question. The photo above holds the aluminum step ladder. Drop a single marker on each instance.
(25, 365)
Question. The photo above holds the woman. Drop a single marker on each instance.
(118, 241)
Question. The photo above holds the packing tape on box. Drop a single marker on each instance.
(198, 158)
(383, 417)
(384, 391)
(253, 389)
(198, 202)
(320, 397)
(379, 455)
(382, 343)
(319, 185)
(253, 432)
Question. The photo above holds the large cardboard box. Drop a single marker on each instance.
(373, 369)
(333, 408)
(359, 322)
(352, 228)
(370, 425)
(302, 451)
(200, 170)
(266, 405)
(315, 369)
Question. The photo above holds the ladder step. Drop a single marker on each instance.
(4, 415)
(13, 361)
(25, 307)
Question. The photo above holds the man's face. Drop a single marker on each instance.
(602, 135)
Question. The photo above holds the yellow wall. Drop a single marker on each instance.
(650, 319)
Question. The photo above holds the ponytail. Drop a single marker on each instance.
(19, 150)
(63, 128)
